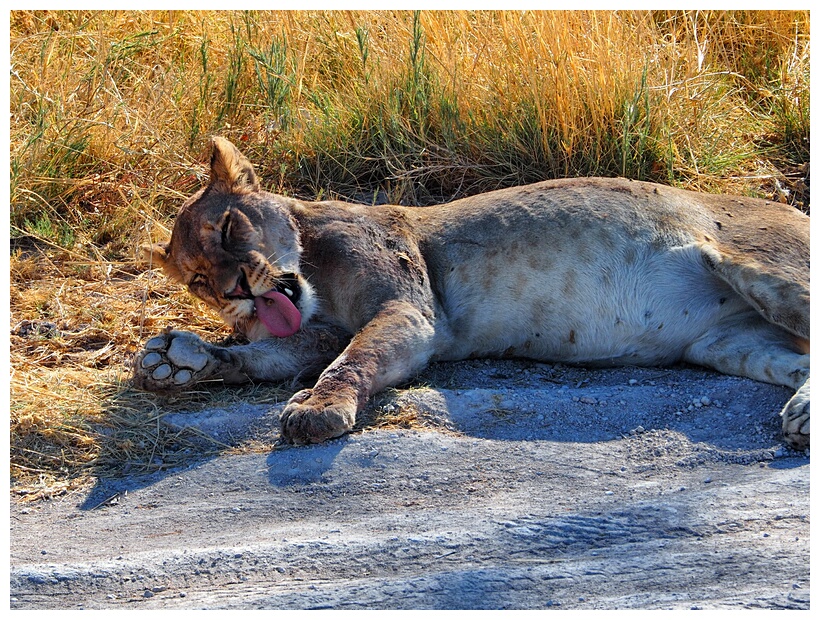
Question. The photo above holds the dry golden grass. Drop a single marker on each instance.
(74, 329)
(110, 112)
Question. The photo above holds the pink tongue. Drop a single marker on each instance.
(278, 314)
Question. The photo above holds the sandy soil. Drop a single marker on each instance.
(520, 485)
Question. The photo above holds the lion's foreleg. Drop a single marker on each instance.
(176, 360)
(393, 347)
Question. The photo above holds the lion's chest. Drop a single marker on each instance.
(359, 264)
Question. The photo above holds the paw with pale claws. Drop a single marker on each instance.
(796, 418)
(172, 361)
(308, 418)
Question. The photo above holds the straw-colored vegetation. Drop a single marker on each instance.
(110, 114)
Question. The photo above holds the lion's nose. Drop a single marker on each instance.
(236, 292)
(242, 290)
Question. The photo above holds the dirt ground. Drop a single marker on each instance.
(518, 485)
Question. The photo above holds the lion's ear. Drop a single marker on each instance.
(155, 256)
(231, 172)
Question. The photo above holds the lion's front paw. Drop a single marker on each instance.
(173, 361)
(796, 418)
(307, 418)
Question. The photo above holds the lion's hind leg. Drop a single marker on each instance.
(746, 345)
(778, 290)
(774, 280)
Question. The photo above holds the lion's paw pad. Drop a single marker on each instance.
(180, 353)
(173, 361)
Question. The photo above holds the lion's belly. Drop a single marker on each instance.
(611, 311)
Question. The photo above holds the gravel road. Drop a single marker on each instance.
(520, 485)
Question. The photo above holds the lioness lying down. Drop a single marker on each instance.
(584, 271)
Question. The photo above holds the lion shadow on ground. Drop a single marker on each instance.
(727, 418)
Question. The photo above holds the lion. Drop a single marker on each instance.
(583, 271)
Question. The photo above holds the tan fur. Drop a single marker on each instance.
(587, 271)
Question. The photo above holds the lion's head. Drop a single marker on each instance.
(237, 248)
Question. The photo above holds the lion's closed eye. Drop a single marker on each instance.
(198, 280)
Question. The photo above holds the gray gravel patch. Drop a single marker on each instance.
(522, 486)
